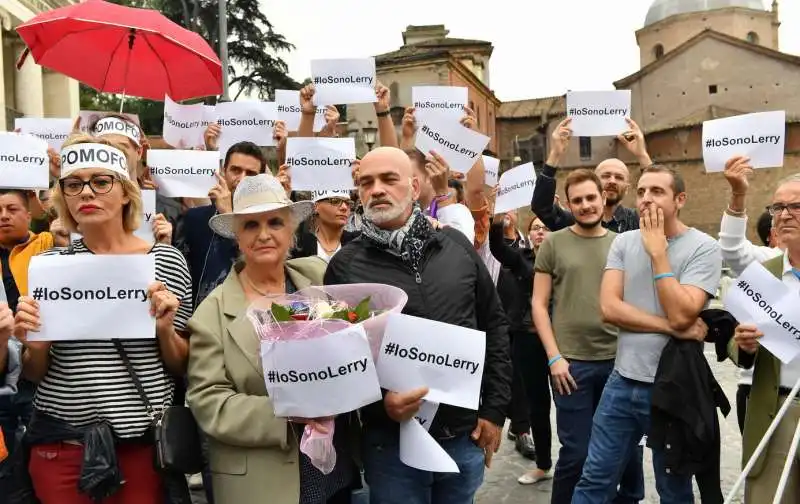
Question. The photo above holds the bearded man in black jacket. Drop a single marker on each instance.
(446, 281)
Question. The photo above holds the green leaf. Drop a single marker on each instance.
(362, 309)
(281, 313)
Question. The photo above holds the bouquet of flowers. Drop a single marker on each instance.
(317, 312)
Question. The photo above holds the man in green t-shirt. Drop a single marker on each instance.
(580, 347)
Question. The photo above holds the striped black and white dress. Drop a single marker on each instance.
(87, 382)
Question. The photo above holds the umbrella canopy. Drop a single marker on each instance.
(117, 49)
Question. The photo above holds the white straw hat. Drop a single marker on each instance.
(258, 194)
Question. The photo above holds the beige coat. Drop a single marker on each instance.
(253, 454)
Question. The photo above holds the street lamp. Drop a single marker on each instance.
(370, 133)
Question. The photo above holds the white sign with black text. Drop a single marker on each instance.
(252, 121)
(89, 117)
(320, 164)
(760, 136)
(54, 131)
(420, 451)
(491, 167)
(459, 146)
(758, 297)
(184, 125)
(24, 163)
(320, 377)
(183, 173)
(598, 113)
(343, 81)
(287, 102)
(516, 188)
(92, 297)
(447, 102)
(448, 359)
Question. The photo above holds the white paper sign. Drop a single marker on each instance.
(426, 414)
(145, 231)
(320, 164)
(320, 377)
(184, 125)
(516, 188)
(251, 121)
(89, 117)
(419, 450)
(757, 297)
(288, 105)
(459, 146)
(52, 131)
(344, 81)
(24, 163)
(183, 173)
(447, 102)
(760, 136)
(491, 167)
(447, 359)
(92, 297)
(598, 113)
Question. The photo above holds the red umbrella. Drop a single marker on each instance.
(117, 49)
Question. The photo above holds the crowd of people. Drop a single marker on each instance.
(598, 307)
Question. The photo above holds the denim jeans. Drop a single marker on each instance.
(622, 418)
(392, 482)
(574, 414)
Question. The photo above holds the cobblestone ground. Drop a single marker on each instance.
(500, 484)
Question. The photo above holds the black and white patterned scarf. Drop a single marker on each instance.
(406, 242)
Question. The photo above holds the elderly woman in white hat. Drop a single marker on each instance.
(87, 383)
(254, 455)
(325, 234)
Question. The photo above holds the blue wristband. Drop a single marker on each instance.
(663, 275)
(553, 360)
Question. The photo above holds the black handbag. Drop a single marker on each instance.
(175, 431)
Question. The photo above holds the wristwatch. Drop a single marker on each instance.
(383, 114)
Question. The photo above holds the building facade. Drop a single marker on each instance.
(32, 90)
(429, 57)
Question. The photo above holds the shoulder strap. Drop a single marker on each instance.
(136, 382)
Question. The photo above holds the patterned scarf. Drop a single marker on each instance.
(406, 242)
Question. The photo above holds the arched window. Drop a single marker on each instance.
(752, 37)
(658, 51)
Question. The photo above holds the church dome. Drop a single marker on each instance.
(662, 9)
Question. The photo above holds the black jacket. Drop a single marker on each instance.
(515, 285)
(307, 242)
(455, 288)
(683, 417)
(555, 217)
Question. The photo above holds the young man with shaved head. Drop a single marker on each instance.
(446, 281)
(612, 172)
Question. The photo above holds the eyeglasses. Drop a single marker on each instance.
(777, 208)
(539, 228)
(338, 201)
(99, 184)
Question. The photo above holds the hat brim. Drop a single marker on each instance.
(223, 224)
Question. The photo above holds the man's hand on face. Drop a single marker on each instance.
(651, 227)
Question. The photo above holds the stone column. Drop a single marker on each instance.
(28, 88)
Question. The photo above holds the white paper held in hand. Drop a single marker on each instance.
(287, 102)
(760, 136)
(24, 163)
(459, 146)
(598, 113)
(246, 121)
(183, 173)
(184, 125)
(757, 297)
(448, 359)
(344, 81)
(446, 102)
(491, 167)
(92, 297)
(516, 188)
(319, 164)
(420, 451)
(52, 130)
(320, 377)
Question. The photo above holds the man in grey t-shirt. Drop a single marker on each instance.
(657, 281)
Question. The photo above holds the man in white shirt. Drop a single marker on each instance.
(772, 379)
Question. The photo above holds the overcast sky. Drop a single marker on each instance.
(541, 47)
